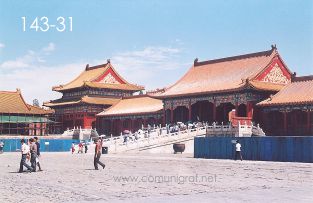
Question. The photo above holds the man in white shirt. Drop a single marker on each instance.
(25, 151)
(238, 151)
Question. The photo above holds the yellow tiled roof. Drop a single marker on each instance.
(292, 94)
(99, 100)
(266, 85)
(85, 99)
(114, 86)
(89, 78)
(13, 102)
(135, 105)
(220, 75)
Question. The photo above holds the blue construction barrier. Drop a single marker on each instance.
(46, 145)
(285, 149)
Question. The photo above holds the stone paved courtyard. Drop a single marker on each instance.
(154, 178)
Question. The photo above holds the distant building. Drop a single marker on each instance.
(95, 89)
(19, 118)
(130, 113)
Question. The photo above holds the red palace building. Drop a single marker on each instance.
(211, 89)
(130, 113)
(256, 87)
(95, 89)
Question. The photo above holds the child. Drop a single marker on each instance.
(80, 147)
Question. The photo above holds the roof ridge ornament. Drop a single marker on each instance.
(244, 80)
(18, 90)
(87, 67)
(108, 61)
(195, 61)
(274, 47)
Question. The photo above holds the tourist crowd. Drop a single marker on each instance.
(30, 155)
(150, 131)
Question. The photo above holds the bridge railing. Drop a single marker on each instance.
(161, 135)
(155, 136)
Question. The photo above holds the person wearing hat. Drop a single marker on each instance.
(97, 156)
(25, 153)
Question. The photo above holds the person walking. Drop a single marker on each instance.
(86, 148)
(97, 156)
(25, 152)
(238, 150)
(33, 153)
(38, 153)
(1, 146)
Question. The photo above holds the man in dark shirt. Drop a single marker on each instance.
(33, 153)
(38, 152)
(98, 154)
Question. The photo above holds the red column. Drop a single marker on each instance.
(111, 126)
(214, 111)
(236, 109)
(121, 126)
(62, 121)
(249, 110)
(189, 112)
(172, 115)
(132, 125)
(225, 114)
(163, 118)
(200, 111)
(88, 121)
(74, 120)
(285, 122)
(263, 118)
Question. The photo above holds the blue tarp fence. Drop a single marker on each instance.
(46, 145)
(285, 149)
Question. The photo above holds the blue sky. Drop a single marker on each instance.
(151, 43)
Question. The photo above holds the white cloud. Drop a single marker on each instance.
(13, 64)
(2, 45)
(38, 82)
(49, 48)
(28, 60)
(152, 67)
(149, 55)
